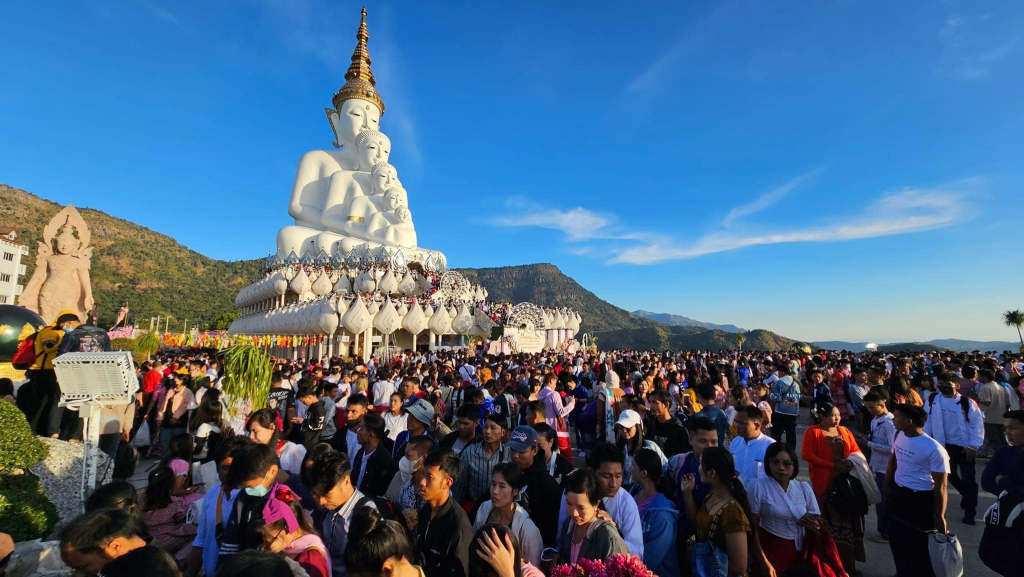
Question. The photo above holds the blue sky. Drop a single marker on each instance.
(827, 170)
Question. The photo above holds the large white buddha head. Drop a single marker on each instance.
(382, 177)
(394, 198)
(372, 147)
(357, 104)
(354, 116)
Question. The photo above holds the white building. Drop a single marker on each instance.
(11, 268)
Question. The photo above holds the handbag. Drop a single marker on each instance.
(708, 559)
(946, 554)
(142, 437)
(1004, 532)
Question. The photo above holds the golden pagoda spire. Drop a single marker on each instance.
(360, 82)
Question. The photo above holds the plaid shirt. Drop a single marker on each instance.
(474, 480)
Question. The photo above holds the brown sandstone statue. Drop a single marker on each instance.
(61, 278)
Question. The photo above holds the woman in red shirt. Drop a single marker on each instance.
(826, 449)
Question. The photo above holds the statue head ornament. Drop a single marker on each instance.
(360, 85)
(372, 148)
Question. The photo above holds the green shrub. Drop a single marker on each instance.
(124, 344)
(130, 345)
(19, 449)
(147, 342)
(25, 511)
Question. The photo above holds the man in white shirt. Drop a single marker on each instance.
(915, 483)
(750, 444)
(880, 439)
(957, 423)
(382, 391)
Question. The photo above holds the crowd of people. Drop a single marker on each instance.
(458, 463)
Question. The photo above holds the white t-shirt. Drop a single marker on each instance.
(395, 425)
(952, 420)
(382, 391)
(916, 459)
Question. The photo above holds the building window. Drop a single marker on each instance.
(5, 277)
(3, 299)
(9, 256)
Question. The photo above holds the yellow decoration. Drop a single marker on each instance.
(360, 82)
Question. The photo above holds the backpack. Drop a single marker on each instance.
(848, 496)
(965, 404)
(26, 353)
(587, 421)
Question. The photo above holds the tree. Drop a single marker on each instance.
(1015, 319)
(222, 321)
(740, 339)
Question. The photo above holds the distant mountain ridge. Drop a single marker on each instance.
(155, 275)
(679, 320)
(958, 345)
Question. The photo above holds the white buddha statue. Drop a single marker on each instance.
(339, 198)
(357, 107)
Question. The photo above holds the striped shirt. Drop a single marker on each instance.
(474, 480)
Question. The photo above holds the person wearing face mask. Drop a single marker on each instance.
(253, 472)
(957, 423)
(404, 487)
(172, 415)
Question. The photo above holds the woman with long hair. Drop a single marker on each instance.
(207, 426)
(482, 562)
(658, 516)
(787, 517)
(584, 536)
(507, 481)
(164, 515)
(722, 521)
(827, 447)
(179, 458)
(287, 531)
(264, 428)
(629, 435)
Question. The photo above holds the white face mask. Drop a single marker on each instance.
(407, 468)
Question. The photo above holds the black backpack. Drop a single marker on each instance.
(848, 496)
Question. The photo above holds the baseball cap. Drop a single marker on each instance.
(421, 410)
(522, 438)
(629, 418)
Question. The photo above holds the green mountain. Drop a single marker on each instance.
(155, 275)
(545, 285)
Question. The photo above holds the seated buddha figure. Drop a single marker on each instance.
(380, 220)
(313, 180)
(401, 232)
(357, 107)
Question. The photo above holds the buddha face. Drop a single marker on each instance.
(384, 176)
(394, 199)
(402, 214)
(356, 115)
(372, 147)
(66, 242)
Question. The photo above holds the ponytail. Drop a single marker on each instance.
(648, 461)
(739, 492)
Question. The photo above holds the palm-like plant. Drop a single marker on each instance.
(1015, 319)
(740, 339)
(247, 371)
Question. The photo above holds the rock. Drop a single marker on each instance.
(61, 476)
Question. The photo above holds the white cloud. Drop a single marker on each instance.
(973, 45)
(768, 199)
(903, 212)
(577, 223)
